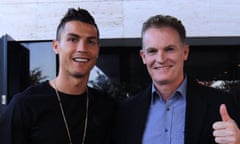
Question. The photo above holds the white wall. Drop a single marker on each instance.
(38, 19)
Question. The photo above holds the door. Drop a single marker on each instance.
(14, 68)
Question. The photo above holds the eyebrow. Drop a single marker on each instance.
(73, 35)
(171, 45)
(78, 36)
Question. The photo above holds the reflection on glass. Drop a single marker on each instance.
(42, 61)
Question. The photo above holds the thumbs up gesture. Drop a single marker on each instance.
(226, 131)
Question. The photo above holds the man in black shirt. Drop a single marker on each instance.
(63, 110)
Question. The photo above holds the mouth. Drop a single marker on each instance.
(81, 59)
(162, 67)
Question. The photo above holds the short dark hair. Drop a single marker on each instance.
(79, 14)
(159, 21)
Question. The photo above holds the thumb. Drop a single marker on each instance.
(224, 113)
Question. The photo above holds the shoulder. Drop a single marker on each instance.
(99, 96)
(28, 100)
(38, 89)
(33, 92)
(102, 103)
(236, 93)
(142, 94)
(193, 86)
(213, 97)
(141, 98)
(35, 89)
(98, 93)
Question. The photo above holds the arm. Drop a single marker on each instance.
(13, 124)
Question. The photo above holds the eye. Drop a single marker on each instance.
(169, 49)
(72, 39)
(151, 51)
(92, 41)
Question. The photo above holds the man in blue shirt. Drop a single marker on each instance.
(175, 109)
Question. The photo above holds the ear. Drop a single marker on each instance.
(55, 46)
(143, 56)
(186, 51)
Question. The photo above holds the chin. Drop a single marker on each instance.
(78, 75)
(162, 81)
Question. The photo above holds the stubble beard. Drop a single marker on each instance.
(162, 82)
(78, 75)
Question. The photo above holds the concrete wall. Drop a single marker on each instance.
(38, 19)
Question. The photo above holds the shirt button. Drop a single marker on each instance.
(165, 130)
(167, 109)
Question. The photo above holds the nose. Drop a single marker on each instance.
(160, 57)
(81, 46)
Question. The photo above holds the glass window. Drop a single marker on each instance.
(42, 59)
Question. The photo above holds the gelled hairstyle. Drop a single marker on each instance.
(159, 21)
(79, 14)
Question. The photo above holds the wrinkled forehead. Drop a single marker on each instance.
(160, 37)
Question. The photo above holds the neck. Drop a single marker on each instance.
(167, 89)
(72, 86)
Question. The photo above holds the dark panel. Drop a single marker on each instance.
(14, 60)
(18, 68)
(219, 62)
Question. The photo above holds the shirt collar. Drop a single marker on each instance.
(181, 90)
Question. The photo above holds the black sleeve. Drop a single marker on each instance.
(235, 92)
(14, 123)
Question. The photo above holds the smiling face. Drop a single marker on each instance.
(164, 55)
(78, 49)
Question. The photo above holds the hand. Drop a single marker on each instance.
(226, 131)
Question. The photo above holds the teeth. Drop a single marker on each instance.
(165, 67)
(80, 60)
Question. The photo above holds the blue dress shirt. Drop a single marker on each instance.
(166, 119)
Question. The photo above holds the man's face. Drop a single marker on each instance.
(78, 49)
(164, 55)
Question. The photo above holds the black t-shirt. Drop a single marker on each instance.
(34, 117)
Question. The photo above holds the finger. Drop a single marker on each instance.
(224, 113)
(224, 140)
(219, 125)
(222, 133)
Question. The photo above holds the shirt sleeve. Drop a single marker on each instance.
(15, 123)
